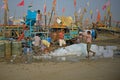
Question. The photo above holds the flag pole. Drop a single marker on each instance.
(53, 10)
(5, 11)
(14, 14)
(45, 15)
(75, 13)
(0, 16)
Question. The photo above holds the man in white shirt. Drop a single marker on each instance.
(36, 43)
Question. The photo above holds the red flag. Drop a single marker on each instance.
(45, 8)
(74, 3)
(63, 10)
(104, 7)
(21, 3)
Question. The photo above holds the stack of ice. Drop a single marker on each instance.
(81, 50)
(75, 49)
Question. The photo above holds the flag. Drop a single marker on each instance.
(85, 10)
(108, 9)
(79, 11)
(97, 10)
(5, 6)
(45, 8)
(104, 7)
(88, 4)
(98, 16)
(108, 3)
(30, 5)
(91, 13)
(54, 2)
(63, 9)
(74, 3)
(108, 6)
(21, 3)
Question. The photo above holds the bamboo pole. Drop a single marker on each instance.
(5, 17)
(5, 11)
(50, 17)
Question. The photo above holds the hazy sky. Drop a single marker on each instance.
(67, 4)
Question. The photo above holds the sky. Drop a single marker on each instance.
(16, 11)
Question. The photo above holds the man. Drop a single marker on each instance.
(61, 38)
(36, 43)
(38, 20)
(89, 41)
(26, 32)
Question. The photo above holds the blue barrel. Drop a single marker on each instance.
(48, 39)
(93, 34)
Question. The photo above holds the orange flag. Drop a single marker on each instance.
(54, 2)
(98, 16)
(21, 3)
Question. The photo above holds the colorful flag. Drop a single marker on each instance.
(108, 9)
(3, 6)
(45, 8)
(63, 9)
(108, 3)
(30, 5)
(104, 7)
(108, 6)
(21, 3)
(54, 2)
(74, 3)
(88, 4)
(98, 16)
(91, 13)
(97, 10)
(85, 10)
(54, 5)
(79, 11)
